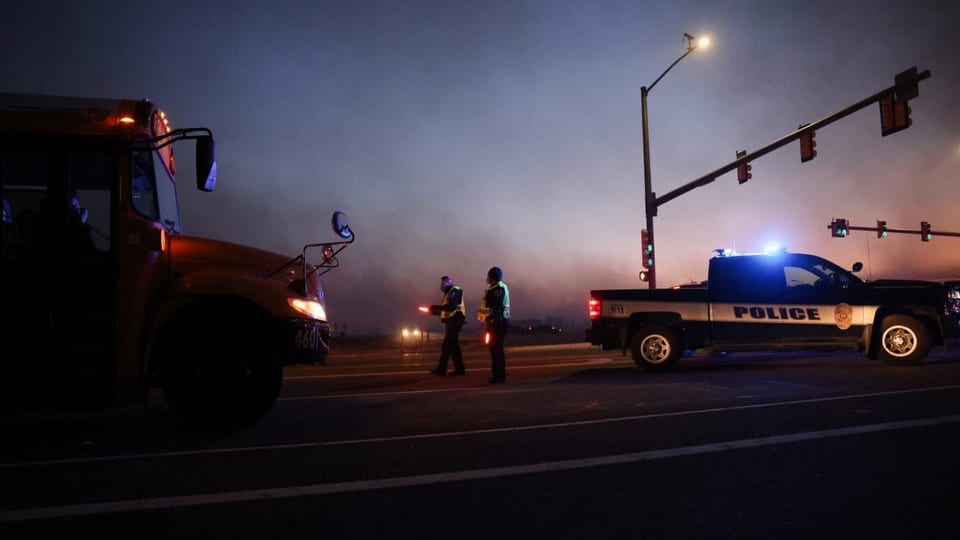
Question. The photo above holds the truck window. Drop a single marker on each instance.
(800, 277)
(816, 272)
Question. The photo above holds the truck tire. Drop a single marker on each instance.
(219, 374)
(655, 348)
(903, 340)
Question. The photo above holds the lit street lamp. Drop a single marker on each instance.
(650, 197)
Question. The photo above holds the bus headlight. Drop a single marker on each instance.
(310, 308)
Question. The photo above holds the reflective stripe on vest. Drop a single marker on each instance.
(506, 300)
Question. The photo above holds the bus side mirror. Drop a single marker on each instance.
(341, 225)
(206, 164)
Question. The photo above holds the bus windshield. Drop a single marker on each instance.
(153, 190)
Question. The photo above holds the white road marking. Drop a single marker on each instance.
(418, 370)
(159, 503)
(395, 438)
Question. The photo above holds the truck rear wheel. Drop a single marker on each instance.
(655, 348)
(903, 340)
(219, 374)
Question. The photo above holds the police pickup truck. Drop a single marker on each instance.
(778, 301)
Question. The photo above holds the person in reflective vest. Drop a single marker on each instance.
(453, 316)
(495, 313)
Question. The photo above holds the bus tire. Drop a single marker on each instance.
(219, 373)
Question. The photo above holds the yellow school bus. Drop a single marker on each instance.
(105, 299)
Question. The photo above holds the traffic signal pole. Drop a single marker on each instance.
(656, 202)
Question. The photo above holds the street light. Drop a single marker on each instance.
(649, 196)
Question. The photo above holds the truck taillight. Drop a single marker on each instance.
(595, 307)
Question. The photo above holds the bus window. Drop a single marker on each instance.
(91, 177)
(24, 175)
(143, 189)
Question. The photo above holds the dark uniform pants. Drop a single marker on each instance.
(498, 358)
(450, 349)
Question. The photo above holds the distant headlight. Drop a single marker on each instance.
(310, 308)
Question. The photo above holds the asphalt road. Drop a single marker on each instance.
(577, 444)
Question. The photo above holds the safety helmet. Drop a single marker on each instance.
(495, 273)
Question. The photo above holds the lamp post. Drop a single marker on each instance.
(650, 198)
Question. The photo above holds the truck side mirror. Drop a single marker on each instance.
(206, 164)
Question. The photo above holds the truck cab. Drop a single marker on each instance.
(779, 301)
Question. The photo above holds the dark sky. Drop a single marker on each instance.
(461, 135)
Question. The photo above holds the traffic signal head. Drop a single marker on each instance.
(647, 246)
(881, 229)
(925, 233)
(743, 171)
(808, 146)
(644, 275)
(894, 115)
(839, 228)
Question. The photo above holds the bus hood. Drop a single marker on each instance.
(195, 256)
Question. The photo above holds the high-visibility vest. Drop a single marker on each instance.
(444, 314)
(486, 310)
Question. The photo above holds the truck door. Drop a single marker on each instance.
(788, 301)
(58, 284)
